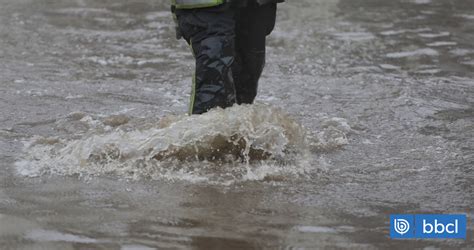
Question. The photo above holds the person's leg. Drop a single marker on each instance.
(254, 23)
(211, 34)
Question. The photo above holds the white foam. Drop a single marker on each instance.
(418, 52)
(421, 1)
(241, 143)
(389, 67)
(315, 229)
(392, 32)
(461, 52)
(81, 11)
(471, 63)
(442, 43)
(428, 71)
(248, 142)
(469, 17)
(434, 35)
(47, 235)
(354, 36)
(136, 247)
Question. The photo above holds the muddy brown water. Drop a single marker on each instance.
(383, 89)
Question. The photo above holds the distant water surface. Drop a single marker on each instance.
(366, 108)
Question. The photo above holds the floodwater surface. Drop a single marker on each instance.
(365, 109)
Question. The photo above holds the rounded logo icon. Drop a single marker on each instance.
(401, 226)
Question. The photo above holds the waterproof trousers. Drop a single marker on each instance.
(228, 44)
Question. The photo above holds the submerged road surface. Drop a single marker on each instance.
(366, 109)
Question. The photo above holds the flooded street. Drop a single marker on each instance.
(365, 109)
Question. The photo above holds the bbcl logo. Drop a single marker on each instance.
(401, 226)
(409, 226)
(439, 228)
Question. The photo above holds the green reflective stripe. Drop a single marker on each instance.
(193, 95)
(193, 4)
(175, 18)
(193, 88)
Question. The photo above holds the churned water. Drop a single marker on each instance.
(365, 109)
(237, 143)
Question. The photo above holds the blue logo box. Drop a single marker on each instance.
(424, 226)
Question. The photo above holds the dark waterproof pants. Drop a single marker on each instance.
(229, 47)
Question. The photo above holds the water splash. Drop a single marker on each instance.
(247, 142)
